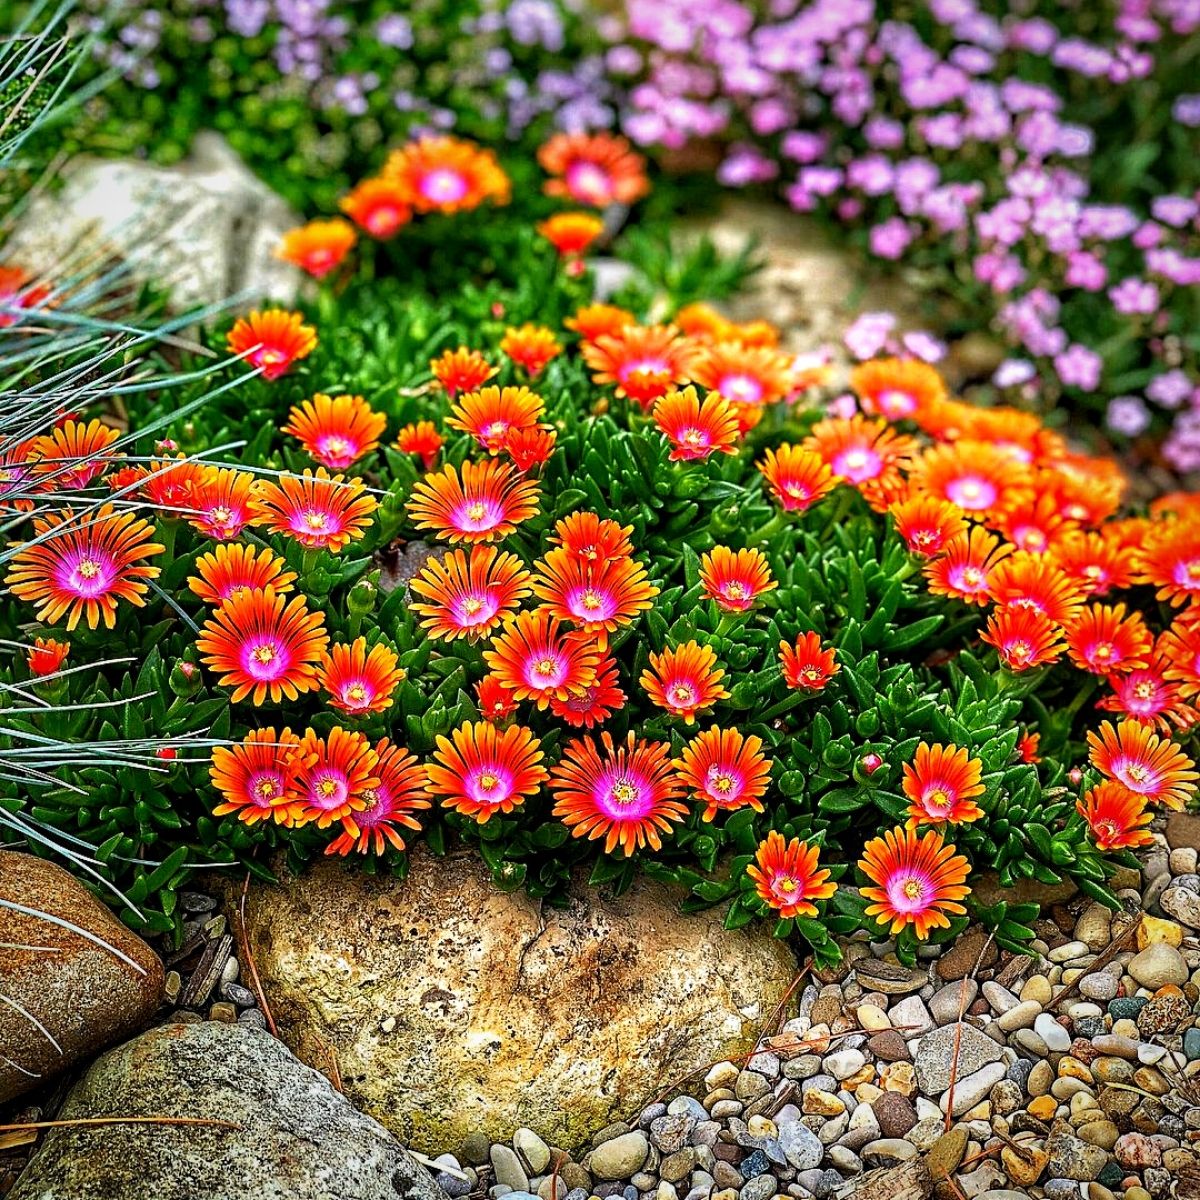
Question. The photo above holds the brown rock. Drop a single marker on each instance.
(598, 997)
(959, 961)
(889, 1046)
(895, 1114)
(1183, 830)
(68, 995)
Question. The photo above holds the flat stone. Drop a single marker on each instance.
(1073, 1158)
(619, 1157)
(863, 1127)
(972, 1089)
(894, 1114)
(1183, 830)
(508, 1168)
(801, 1146)
(1159, 965)
(947, 1152)
(889, 1046)
(293, 1137)
(1057, 1039)
(886, 1152)
(950, 1002)
(911, 1017)
(483, 983)
(535, 1154)
(1181, 904)
(936, 1051)
(960, 959)
(68, 995)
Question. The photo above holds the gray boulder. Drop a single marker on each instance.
(293, 1137)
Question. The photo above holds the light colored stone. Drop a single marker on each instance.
(619, 1157)
(66, 994)
(1158, 965)
(207, 228)
(936, 1054)
(533, 1151)
(1057, 1039)
(294, 1137)
(485, 983)
(970, 1090)
(1182, 904)
(911, 1017)
(1020, 1017)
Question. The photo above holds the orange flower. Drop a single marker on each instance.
(1019, 434)
(964, 568)
(1096, 562)
(272, 340)
(927, 524)
(421, 438)
(529, 448)
(642, 361)
(725, 770)
(1153, 767)
(977, 477)
(626, 794)
(786, 877)
(694, 429)
(446, 175)
(597, 169)
(339, 776)
(262, 645)
(259, 776)
(378, 207)
(897, 388)
(1035, 582)
(1027, 747)
(318, 247)
(597, 320)
(598, 598)
(859, 450)
(531, 347)
(1180, 646)
(1170, 561)
(593, 539)
(469, 598)
(704, 323)
(1115, 816)
(491, 414)
(571, 233)
(72, 454)
(1104, 641)
(1147, 695)
(1033, 523)
(462, 370)
(359, 681)
(798, 478)
(46, 656)
(685, 679)
(487, 503)
(735, 578)
(390, 803)
(232, 567)
(1088, 490)
(480, 771)
(336, 430)
(941, 784)
(494, 701)
(1024, 638)
(78, 567)
(221, 502)
(752, 376)
(919, 882)
(538, 660)
(170, 483)
(321, 512)
(16, 292)
(594, 704)
(807, 666)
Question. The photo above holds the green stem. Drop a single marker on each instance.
(310, 560)
(166, 538)
(772, 527)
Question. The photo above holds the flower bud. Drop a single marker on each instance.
(185, 678)
(362, 598)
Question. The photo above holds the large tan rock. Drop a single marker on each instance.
(452, 1007)
(64, 995)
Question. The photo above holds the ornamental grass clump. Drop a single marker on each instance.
(671, 604)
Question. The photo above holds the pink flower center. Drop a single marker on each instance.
(740, 388)
(857, 463)
(477, 516)
(357, 694)
(895, 404)
(1136, 776)
(265, 787)
(972, 492)
(378, 807)
(87, 572)
(681, 693)
(545, 670)
(968, 579)
(910, 891)
(335, 450)
(443, 185)
(587, 604)
(328, 788)
(589, 183)
(474, 609)
(723, 784)
(938, 799)
(1187, 574)
(489, 784)
(623, 795)
(265, 658)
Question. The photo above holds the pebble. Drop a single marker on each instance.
(911, 1017)
(1057, 1039)
(895, 1114)
(1021, 1016)
(1159, 965)
(533, 1151)
(508, 1169)
(619, 1157)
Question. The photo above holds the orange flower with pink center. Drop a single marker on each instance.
(233, 567)
(1102, 639)
(422, 438)
(918, 883)
(259, 777)
(753, 376)
(387, 807)
(318, 247)
(1115, 816)
(594, 321)
(597, 169)
(530, 347)
(1147, 695)
(598, 598)
(272, 340)
(469, 597)
(378, 206)
(480, 770)
(1024, 638)
(808, 665)
(72, 454)
(696, 429)
(964, 568)
(626, 794)
(338, 777)
(170, 483)
(786, 877)
(537, 659)
(1153, 767)
(797, 477)
(976, 476)
(684, 679)
(643, 362)
(897, 388)
(263, 646)
(359, 680)
(494, 701)
(462, 370)
(927, 523)
(336, 430)
(1037, 583)
(1096, 562)
(859, 450)
(221, 502)
(941, 784)
(735, 579)
(447, 175)
(79, 566)
(1170, 561)
(725, 770)
(18, 292)
(529, 448)
(320, 512)
(487, 501)
(594, 539)
(492, 414)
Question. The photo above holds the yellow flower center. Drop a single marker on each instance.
(263, 654)
(912, 889)
(336, 445)
(972, 577)
(327, 788)
(722, 783)
(590, 600)
(315, 520)
(1193, 570)
(471, 606)
(370, 798)
(220, 515)
(787, 885)
(1137, 773)
(1104, 651)
(969, 489)
(624, 793)
(1020, 650)
(938, 798)
(692, 437)
(476, 511)
(682, 694)
(356, 693)
(1144, 690)
(545, 668)
(266, 789)
(737, 591)
(488, 781)
(88, 569)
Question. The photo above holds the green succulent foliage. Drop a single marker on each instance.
(904, 675)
